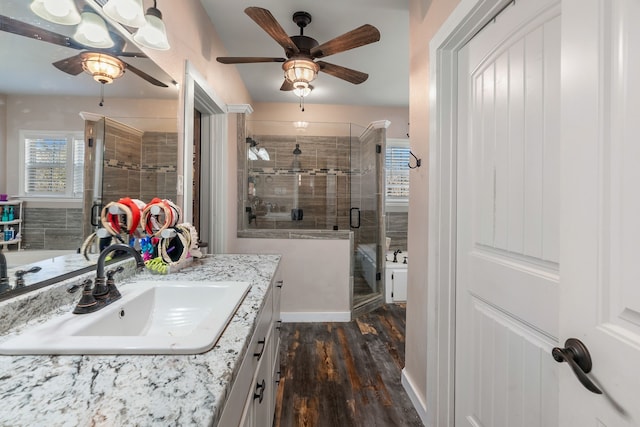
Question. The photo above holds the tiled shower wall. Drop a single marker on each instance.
(50, 228)
(139, 165)
(317, 181)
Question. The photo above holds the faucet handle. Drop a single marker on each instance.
(20, 275)
(111, 273)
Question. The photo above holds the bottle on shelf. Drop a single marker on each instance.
(11, 215)
(5, 215)
(8, 234)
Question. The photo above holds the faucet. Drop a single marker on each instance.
(104, 292)
(4, 279)
(395, 255)
(20, 275)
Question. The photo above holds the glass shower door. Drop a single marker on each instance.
(365, 219)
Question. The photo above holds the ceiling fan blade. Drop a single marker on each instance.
(286, 85)
(246, 59)
(355, 38)
(268, 23)
(20, 28)
(144, 75)
(71, 65)
(352, 76)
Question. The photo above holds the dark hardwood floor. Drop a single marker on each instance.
(345, 374)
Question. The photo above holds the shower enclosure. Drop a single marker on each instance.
(319, 176)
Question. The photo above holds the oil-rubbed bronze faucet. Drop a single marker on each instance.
(104, 292)
(20, 275)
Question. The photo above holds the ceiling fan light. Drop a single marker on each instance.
(92, 31)
(301, 89)
(299, 70)
(126, 12)
(153, 34)
(57, 11)
(104, 68)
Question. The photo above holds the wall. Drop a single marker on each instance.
(425, 18)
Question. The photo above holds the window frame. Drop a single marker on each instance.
(70, 136)
(395, 204)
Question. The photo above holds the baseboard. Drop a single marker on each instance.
(310, 316)
(418, 403)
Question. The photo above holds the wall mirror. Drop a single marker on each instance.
(43, 88)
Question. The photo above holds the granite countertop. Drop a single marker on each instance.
(140, 390)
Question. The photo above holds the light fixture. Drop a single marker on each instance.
(57, 11)
(302, 89)
(104, 68)
(300, 70)
(126, 12)
(92, 31)
(254, 152)
(153, 33)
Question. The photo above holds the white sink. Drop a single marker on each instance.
(152, 317)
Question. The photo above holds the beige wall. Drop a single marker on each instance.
(425, 19)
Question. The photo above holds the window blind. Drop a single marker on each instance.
(46, 165)
(397, 173)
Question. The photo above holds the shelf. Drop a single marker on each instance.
(15, 221)
(10, 242)
(11, 202)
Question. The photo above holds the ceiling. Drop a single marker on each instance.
(386, 61)
(27, 63)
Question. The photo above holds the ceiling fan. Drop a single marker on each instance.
(300, 65)
(73, 64)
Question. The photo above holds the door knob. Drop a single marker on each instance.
(575, 353)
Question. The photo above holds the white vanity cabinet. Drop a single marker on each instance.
(395, 282)
(251, 402)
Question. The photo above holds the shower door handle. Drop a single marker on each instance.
(95, 214)
(351, 223)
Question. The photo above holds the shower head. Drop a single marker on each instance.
(297, 150)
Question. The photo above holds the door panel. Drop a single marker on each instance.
(508, 212)
(600, 232)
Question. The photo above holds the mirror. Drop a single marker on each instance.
(37, 96)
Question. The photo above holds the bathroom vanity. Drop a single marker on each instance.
(231, 384)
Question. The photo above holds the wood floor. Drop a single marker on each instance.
(345, 374)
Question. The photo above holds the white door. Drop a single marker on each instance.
(508, 200)
(600, 213)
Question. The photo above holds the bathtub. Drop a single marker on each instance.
(395, 272)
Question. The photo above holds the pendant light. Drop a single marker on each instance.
(126, 12)
(153, 33)
(92, 31)
(57, 11)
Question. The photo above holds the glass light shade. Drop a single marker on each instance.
(126, 12)
(263, 153)
(300, 70)
(153, 34)
(92, 32)
(301, 89)
(104, 68)
(58, 11)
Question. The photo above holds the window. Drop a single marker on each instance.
(397, 172)
(53, 164)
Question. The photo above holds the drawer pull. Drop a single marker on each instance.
(263, 342)
(279, 322)
(260, 391)
(280, 283)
